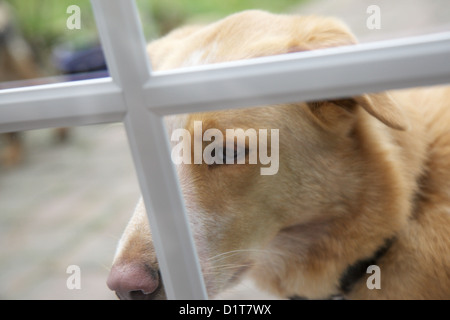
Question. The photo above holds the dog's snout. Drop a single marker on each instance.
(134, 282)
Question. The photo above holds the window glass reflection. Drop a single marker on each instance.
(48, 41)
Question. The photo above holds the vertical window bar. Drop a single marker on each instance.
(124, 45)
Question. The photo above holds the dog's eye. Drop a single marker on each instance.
(230, 156)
(234, 156)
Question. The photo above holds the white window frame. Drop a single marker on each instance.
(141, 98)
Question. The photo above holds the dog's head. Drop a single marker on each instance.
(316, 168)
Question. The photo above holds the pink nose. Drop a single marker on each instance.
(133, 281)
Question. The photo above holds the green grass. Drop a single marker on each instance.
(43, 25)
(231, 6)
(46, 19)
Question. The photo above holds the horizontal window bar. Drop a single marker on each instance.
(313, 75)
(62, 104)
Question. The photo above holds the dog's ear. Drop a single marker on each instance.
(383, 107)
(334, 115)
(319, 33)
(340, 113)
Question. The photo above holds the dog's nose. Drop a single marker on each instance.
(134, 282)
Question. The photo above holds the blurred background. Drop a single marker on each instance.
(66, 194)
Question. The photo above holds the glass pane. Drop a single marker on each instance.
(383, 19)
(48, 41)
(162, 16)
(64, 204)
(367, 20)
(159, 17)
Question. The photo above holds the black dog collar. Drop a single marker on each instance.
(355, 272)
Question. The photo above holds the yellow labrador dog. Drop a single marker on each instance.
(359, 205)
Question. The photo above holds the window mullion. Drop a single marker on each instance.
(124, 45)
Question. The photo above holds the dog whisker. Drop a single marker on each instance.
(229, 254)
(230, 266)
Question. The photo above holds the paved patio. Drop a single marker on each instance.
(65, 205)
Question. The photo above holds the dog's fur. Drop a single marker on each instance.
(353, 175)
